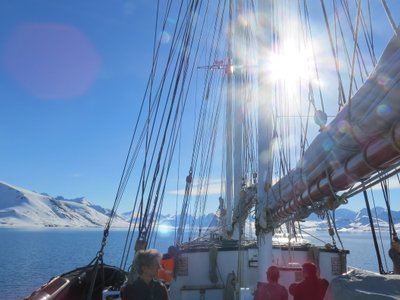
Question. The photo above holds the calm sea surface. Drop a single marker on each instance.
(29, 258)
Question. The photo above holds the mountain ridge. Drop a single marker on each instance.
(20, 207)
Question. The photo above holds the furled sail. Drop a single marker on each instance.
(363, 139)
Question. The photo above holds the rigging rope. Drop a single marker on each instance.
(336, 58)
(149, 212)
(371, 222)
(391, 20)
(392, 228)
(355, 37)
(201, 137)
(379, 227)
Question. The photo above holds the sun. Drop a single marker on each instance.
(290, 63)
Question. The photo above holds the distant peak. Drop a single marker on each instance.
(23, 208)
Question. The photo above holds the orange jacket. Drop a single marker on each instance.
(166, 272)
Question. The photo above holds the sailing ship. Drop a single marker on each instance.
(295, 105)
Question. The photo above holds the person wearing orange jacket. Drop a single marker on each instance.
(167, 266)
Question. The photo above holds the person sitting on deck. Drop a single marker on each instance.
(146, 286)
(167, 266)
(394, 253)
(271, 290)
(311, 287)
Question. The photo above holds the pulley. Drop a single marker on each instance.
(320, 118)
(189, 178)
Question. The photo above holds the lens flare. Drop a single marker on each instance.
(51, 61)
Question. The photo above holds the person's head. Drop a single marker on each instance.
(309, 270)
(396, 244)
(172, 251)
(273, 274)
(147, 262)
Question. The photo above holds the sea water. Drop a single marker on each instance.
(29, 258)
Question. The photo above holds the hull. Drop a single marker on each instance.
(203, 273)
(76, 284)
(197, 265)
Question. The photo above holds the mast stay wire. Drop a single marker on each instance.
(199, 137)
(196, 51)
(130, 158)
(378, 255)
(379, 228)
(150, 84)
(155, 108)
(157, 166)
(342, 98)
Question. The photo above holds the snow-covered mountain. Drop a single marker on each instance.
(345, 220)
(170, 221)
(348, 220)
(20, 207)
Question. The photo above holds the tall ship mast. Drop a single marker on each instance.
(273, 110)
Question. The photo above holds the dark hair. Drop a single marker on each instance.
(145, 258)
(273, 274)
(310, 269)
(173, 251)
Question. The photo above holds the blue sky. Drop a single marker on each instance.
(68, 105)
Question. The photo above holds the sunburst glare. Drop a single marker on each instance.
(290, 63)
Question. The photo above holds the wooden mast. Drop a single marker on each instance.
(265, 135)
